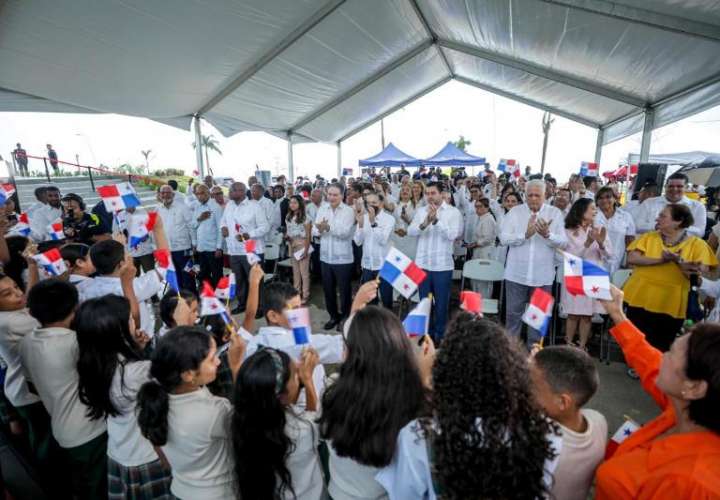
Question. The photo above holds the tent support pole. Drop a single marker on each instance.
(338, 146)
(647, 134)
(291, 165)
(198, 147)
(599, 145)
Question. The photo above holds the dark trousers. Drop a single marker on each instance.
(241, 267)
(144, 262)
(386, 291)
(180, 259)
(210, 268)
(88, 468)
(517, 297)
(23, 168)
(438, 283)
(315, 268)
(357, 260)
(336, 276)
(660, 329)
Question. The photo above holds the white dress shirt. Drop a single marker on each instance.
(206, 234)
(14, 326)
(244, 217)
(34, 208)
(177, 224)
(40, 220)
(649, 209)
(619, 226)
(531, 262)
(336, 243)
(267, 207)
(435, 242)
(375, 241)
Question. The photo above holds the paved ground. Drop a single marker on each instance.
(617, 396)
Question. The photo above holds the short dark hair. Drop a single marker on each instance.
(569, 370)
(677, 176)
(484, 202)
(339, 186)
(437, 185)
(603, 191)
(169, 303)
(106, 255)
(52, 300)
(40, 191)
(76, 198)
(588, 180)
(173, 184)
(54, 189)
(682, 214)
(277, 294)
(72, 252)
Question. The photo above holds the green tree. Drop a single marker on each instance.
(209, 143)
(462, 143)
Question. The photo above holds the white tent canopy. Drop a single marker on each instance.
(322, 70)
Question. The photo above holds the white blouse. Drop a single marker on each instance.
(304, 462)
(297, 230)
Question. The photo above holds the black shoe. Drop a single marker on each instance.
(330, 324)
(340, 326)
(238, 310)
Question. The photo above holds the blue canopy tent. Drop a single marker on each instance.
(453, 156)
(390, 157)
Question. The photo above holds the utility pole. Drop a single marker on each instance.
(547, 121)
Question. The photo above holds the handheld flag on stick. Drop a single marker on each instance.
(347, 172)
(589, 169)
(118, 196)
(140, 227)
(417, 322)
(299, 320)
(402, 273)
(226, 287)
(166, 268)
(471, 302)
(625, 431)
(6, 191)
(55, 230)
(210, 304)
(250, 249)
(23, 225)
(582, 277)
(539, 311)
(506, 165)
(51, 261)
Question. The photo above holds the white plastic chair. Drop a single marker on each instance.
(272, 252)
(620, 277)
(484, 270)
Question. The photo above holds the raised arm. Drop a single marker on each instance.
(251, 306)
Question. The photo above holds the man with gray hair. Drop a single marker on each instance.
(532, 232)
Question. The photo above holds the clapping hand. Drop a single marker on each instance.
(531, 227)
(543, 227)
(431, 215)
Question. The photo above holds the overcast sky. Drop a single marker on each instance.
(495, 126)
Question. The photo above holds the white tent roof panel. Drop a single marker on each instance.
(323, 69)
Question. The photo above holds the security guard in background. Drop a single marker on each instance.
(79, 226)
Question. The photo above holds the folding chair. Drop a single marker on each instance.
(618, 278)
(484, 270)
(272, 252)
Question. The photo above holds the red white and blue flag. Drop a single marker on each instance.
(210, 304)
(539, 311)
(226, 287)
(347, 172)
(624, 431)
(582, 277)
(55, 230)
(589, 169)
(299, 320)
(6, 191)
(402, 273)
(141, 225)
(506, 165)
(250, 249)
(51, 261)
(23, 225)
(417, 321)
(118, 197)
(166, 268)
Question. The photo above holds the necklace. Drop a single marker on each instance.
(668, 243)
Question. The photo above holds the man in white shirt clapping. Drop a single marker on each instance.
(208, 241)
(176, 219)
(437, 225)
(334, 225)
(532, 232)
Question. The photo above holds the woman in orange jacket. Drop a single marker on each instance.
(676, 455)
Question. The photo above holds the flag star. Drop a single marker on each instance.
(627, 432)
(595, 289)
(534, 316)
(572, 262)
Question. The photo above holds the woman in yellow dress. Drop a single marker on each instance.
(664, 260)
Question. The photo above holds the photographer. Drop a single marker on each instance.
(79, 226)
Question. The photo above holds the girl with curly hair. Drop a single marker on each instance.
(486, 438)
(378, 391)
(275, 444)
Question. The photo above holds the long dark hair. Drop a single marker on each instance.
(181, 349)
(103, 333)
(490, 440)
(377, 393)
(258, 426)
(17, 264)
(575, 216)
(703, 363)
(300, 214)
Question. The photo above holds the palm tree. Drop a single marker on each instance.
(462, 143)
(146, 154)
(209, 143)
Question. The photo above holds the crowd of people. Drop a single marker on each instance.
(117, 387)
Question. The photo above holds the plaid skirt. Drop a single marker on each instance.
(142, 482)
